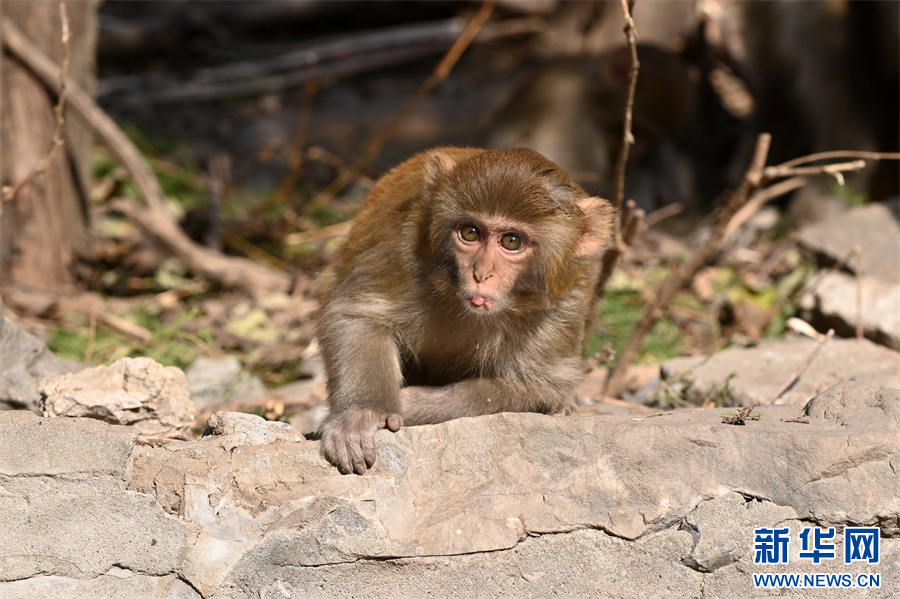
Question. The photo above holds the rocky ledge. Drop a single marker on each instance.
(512, 505)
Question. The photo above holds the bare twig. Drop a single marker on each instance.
(663, 212)
(125, 327)
(740, 206)
(92, 337)
(800, 370)
(761, 197)
(318, 234)
(295, 158)
(627, 135)
(155, 220)
(838, 154)
(56, 141)
(835, 170)
(630, 220)
(441, 71)
(677, 280)
(857, 271)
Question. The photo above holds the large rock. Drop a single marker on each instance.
(834, 304)
(135, 391)
(874, 227)
(24, 361)
(511, 505)
(751, 376)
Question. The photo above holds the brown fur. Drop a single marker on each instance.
(401, 340)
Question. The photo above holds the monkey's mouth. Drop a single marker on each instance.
(477, 301)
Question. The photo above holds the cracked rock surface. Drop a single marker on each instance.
(511, 505)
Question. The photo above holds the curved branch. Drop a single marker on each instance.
(154, 219)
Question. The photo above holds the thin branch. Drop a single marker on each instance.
(799, 372)
(838, 154)
(441, 71)
(322, 234)
(627, 135)
(295, 158)
(56, 141)
(761, 197)
(679, 279)
(857, 271)
(629, 220)
(835, 170)
(155, 219)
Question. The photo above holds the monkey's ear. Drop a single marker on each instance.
(438, 164)
(598, 215)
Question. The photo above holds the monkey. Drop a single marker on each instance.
(462, 290)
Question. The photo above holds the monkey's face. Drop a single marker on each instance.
(491, 253)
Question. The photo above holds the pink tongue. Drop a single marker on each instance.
(478, 300)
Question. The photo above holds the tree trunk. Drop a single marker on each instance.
(41, 225)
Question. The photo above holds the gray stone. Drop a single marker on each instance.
(135, 391)
(64, 510)
(834, 305)
(750, 376)
(216, 382)
(24, 361)
(873, 227)
(255, 429)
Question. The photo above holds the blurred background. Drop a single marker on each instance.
(266, 123)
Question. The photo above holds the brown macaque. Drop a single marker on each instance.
(462, 290)
(571, 110)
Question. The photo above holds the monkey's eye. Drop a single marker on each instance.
(512, 242)
(469, 233)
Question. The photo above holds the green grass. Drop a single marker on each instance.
(619, 313)
(170, 345)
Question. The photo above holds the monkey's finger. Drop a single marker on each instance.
(393, 423)
(361, 460)
(337, 454)
(367, 446)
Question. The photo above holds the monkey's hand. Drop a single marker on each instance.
(348, 437)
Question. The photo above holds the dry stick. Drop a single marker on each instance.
(92, 337)
(756, 176)
(627, 135)
(629, 217)
(839, 154)
(155, 219)
(318, 234)
(836, 170)
(677, 280)
(759, 198)
(439, 74)
(857, 267)
(56, 141)
(799, 372)
(295, 158)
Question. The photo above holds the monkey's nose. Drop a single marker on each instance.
(481, 278)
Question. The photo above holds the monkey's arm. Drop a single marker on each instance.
(364, 379)
(478, 396)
